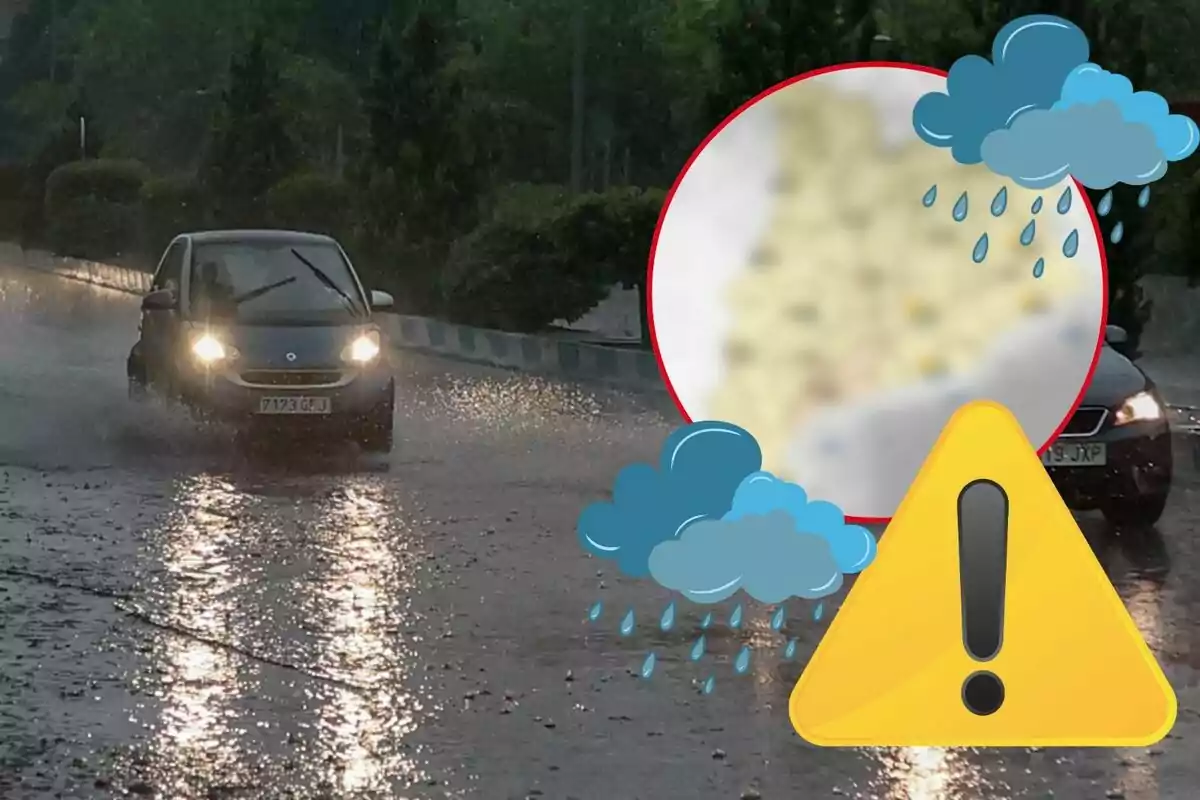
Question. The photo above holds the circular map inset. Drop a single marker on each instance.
(829, 282)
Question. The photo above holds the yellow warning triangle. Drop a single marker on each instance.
(892, 667)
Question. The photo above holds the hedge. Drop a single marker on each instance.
(311, 202)
(93, 208)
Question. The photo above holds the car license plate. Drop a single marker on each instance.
(1076, 454)
(294, 405)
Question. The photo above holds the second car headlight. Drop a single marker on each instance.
(1141, 407)
(363, 349)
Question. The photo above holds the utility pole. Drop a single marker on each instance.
(578, 101)
(340, 157)
(82, 139)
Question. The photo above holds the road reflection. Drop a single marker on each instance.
(364, 599)
(201, 682)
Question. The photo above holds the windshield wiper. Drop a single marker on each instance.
(260, 291)
(328, 281)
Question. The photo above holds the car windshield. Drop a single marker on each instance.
(273, 280)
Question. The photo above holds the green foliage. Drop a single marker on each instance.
(170, 206)
(251, 149)
(523, 271)
(418, 124)
(12, 200)
(93, 208)
(311, 202)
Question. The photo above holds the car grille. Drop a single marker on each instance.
(282, 377)
(1086, 421)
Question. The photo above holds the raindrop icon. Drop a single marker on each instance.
(1064, 202)
(930, 197)
(1039, 268)
(1105, 205)
(1000, 202)
(667, 621)
(980, 251)
(960, 208)
(1144, 197)
(595, 611)
(706, 621)
(790, 650)
(1071, 245)
(648, 665)
(709, 685)
(1118, 233)
(627, 623)
(1028, 233)
(1037, 206)
(735, 619)
(698, 649)
(742, 662)
(778, 618)
(819, 612)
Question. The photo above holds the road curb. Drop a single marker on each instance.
(631, 369)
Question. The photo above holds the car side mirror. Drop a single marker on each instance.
(1115, 335)
(382, 300)
(160, 300)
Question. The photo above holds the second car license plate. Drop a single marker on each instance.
(294, 405)
(1089, 454)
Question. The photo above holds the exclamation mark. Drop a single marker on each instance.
(982, 563)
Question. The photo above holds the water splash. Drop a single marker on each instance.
(960, 208)
(790, 650)
(1071, 244)
(667, 620)
(627, 623)
(930, 197)
(980, 251)
(778, 618)
(818, 612)
(595, 611)
(1028, 233)
(1064, 201)
(709, 685)
(735, 619)
(1000, 202)
(1105, 204)
(1037, 206)
(1144, 197)
(648, 665)
(704, 623)
(1039, 268)
(698, 648)
(742, 662)
(1118, 233)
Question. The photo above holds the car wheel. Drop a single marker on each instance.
(376, 435)
(1144, 510)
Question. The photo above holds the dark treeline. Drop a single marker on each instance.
(497, 161)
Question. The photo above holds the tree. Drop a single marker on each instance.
(418, 126)
(250, 150)
(763, 42)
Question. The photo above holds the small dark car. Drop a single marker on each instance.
(1115, 453)
(266, 329)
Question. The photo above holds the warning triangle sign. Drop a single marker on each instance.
(901, 663)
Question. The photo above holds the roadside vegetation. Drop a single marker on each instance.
(495, 163)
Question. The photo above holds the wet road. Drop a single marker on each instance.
(182, 619)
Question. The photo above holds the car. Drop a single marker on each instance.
(266, 329)
(1114, 454)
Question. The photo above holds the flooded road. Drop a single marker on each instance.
(183, 618)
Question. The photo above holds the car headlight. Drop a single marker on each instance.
(1141, 407)
(208, 349)
(364, 349)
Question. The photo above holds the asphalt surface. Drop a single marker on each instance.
(183, 617)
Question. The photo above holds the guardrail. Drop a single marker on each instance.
(634, 369)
